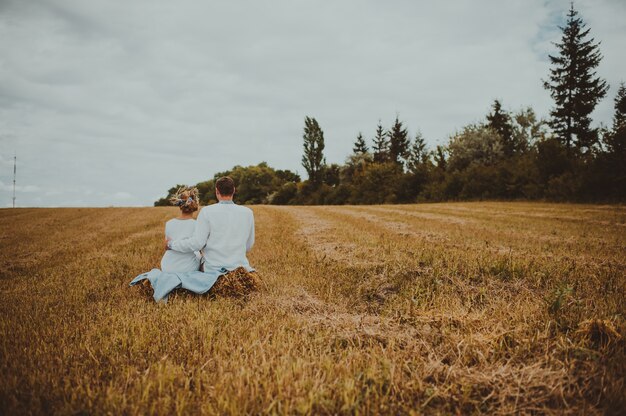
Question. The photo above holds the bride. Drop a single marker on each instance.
(183, 226)
(176, 264)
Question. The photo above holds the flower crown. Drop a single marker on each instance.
(186, 197)
(181, 202)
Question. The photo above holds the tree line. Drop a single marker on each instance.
(508, 155)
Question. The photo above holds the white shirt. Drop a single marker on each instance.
(226, 232)
(175, 261)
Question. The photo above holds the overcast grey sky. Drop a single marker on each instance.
(113, 102)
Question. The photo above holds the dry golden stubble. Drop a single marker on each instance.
(237, 283)
(437, 326)
(599, 333)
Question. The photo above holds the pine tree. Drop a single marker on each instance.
(418, 155)
(381, 144)
(439, 155)
(313, 158)
(500, 121)
(619, 118)
(398, 142)
(360, 148)
(616, 142)
(614, 161)
(574, 86)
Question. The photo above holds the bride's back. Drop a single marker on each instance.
(175, 261)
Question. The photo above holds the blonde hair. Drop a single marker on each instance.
(186, 198)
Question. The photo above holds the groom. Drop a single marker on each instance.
(224, 231)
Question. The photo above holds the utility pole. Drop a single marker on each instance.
(14, 175)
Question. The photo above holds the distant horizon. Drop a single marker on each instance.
(472, 201)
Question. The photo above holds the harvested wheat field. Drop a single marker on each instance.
(435, 308)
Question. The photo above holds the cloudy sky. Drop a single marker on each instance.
(113, 102)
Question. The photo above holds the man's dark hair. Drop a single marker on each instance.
(225, 186)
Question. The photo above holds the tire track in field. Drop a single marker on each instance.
(344, 325)
(445, 233)
(398, 227)
(609, 216)
(340, 322)
(498, 235)
(439, 217)
(448, 228)
(407, 238)
(498, 240)
(323, 236)
(451, 238)
(353, 237)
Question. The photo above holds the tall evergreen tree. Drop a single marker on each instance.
(619, 117)
(418, 154)
(614, 164)
(398, 142)
(574, 85)
(439, 155)
(360, 148)
(313, 158)
(616, 140)
(500, 121)
(381, 144)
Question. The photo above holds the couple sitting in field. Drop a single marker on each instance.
(199, 251)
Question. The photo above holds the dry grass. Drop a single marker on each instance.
(489, 308)
(238, 283)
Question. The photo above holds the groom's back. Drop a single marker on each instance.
(231, 234)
